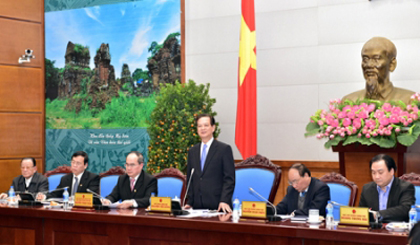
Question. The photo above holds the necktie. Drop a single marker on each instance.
(203, 156)
(302, 194)
(132, 180)
(76, 183)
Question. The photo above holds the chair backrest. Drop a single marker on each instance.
(341, 190)
(54, 176)
(415, 180)
(54, 180)
(171, 183)
(109, 180)
(258, 173)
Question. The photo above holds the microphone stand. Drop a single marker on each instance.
(271, 218)
(188, 187)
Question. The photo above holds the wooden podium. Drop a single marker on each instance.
(354, 161)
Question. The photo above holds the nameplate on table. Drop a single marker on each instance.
(161, 204)
(354, 216)
(254, 209)
(83, 200)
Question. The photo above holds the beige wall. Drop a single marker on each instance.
(308, 52)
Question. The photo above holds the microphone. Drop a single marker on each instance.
(336, 203)
(95, 194)
(188, 186)
(270, 218)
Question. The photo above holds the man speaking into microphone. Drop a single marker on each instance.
(79, 180)
(213, 179)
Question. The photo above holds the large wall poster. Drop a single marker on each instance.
(104, 65)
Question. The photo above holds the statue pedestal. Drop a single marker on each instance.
(354, 161)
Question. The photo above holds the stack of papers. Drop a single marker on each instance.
(204, 213)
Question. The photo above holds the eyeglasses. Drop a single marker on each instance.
(26, 168)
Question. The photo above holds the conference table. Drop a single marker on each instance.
(38, 225)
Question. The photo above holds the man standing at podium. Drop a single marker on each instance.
(30, 180)
(389, 196)
(213, 179)
(304, 193)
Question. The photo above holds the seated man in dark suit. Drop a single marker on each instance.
(304, 193)
(389, 196)
(79, 180)
(30, 180)
(135, 187)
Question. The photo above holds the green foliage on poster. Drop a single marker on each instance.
(172, 129)
(122, 112)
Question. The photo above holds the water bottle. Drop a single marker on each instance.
(329, 219)
(236, 210)
(412, 216)
(65, 199)
(12, 197)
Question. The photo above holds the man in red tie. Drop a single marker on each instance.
(135, 187)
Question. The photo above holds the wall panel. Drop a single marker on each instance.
(16, 37)
(21, 89)
(31, 10)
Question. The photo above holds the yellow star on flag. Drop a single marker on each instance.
(247, 56)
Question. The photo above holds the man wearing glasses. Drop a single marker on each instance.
(78, 181)
(304, 193)
(135, 187)
(30, 181)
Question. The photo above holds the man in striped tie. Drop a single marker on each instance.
(135, 187)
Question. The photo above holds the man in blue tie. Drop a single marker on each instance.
(213, 179)
(304, 193)
(79, 180)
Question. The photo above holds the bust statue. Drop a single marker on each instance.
(379, 58)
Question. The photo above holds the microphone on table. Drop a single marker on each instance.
(336, 203)
(95, 194)
(269, 217)
(188, 186)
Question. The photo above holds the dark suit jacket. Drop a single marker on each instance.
(38, 183)
(216, 182)
(89, 181)
(317, 197)
(400, 199)
(145, 185)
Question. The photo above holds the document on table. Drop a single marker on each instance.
(299, 219)
(285, 216)
(112, 205)
(200, 213)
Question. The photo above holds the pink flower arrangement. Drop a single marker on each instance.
(367, 122)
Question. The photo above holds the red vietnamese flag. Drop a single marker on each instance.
(246, 114)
